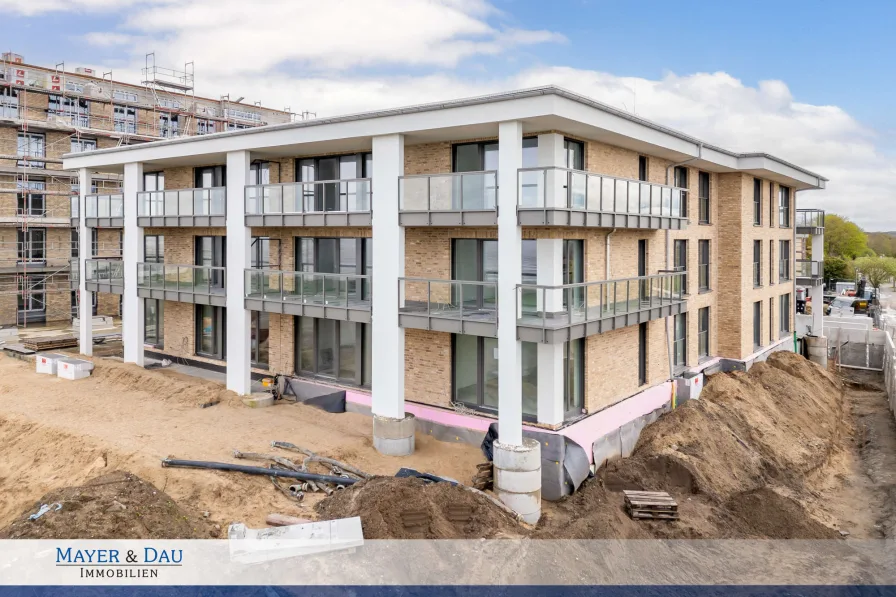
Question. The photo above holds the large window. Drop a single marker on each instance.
(31, 145)
(771, 319)
(210, 176)
(703, 265)
(260, 173)
(784, 314)
(154, 181)
(205, 127)
(211, 331)
(32, 298)
(334, 349)
(771, 204)
(784, 207)
(771, 262)
(124, 119)
(642, 353)
(153, 322)
(210, 251)
(154, 248)
(76, 242)
(335, 196)
(757, 263)
(260, 252)
(259, 334)
(168, 125)
(338, 256)
(757, 324)
(703, 191)
(475, 261)
(642, 168)
(784, 261)
(680, 341)
(757, 202)
(702, 333)
(9, 103)
(32, 245)
(681, 181)
(30, 198)
(575, 154)
(79, 145)
(680, 255)
(72, 109)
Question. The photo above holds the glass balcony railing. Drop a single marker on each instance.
(75, 272)
(199, 279)
(810, 218)
(184, 202)
(806, 268)
(348, 291)
(105, 206)
(75, 206)
(349, 196)
(110, 271)
(558, 306)
(460, 191)
(562, 188)
(449, 299)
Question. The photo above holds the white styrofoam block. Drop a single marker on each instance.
(46, 362)
(73, 368)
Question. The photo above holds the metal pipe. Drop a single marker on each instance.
(255, 470)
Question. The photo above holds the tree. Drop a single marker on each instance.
(877, 269)
(843, 238)
(836, 268)
(882, 243)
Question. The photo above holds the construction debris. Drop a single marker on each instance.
(254, 470)
(263, 545)
(281, 520)
(657, 505)
(484, 477)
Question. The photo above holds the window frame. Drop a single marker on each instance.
(157, 241)
(362, 376)
(31, 140)
(681, 178)
(784, 206)
(643, 168)
(757, 325)
(704, 195)
(158, 339)
(703, 334)
(26, 243)
(704, 269)
(680, 254)
(784, 315)
(757, 202)
(255, 343)
(784, 265)
(757, 264)
(219, 332)
(682, 341)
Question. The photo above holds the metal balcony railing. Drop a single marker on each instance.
(183, 202)
(562, 188)
(347, 291)
(103, 206)
(810, 218)
(459, 300)
(199, 279)
(350, 196)
(110, 271)
(551, 307)
(457, 191)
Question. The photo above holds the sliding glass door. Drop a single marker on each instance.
(476, 261)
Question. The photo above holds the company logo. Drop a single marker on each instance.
(112, 563)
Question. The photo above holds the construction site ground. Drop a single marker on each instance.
(784, 451)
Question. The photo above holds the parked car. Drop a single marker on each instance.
(858, 304)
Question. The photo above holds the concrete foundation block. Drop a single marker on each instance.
(261, 400)
(818, 349)
(394, 437)
(518, 477)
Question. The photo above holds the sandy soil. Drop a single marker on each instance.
(56, 433)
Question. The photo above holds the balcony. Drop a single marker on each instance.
(458, 199)
(322, 203)
(105, 275)
(453, 306)
(74, 276)
(104, 211)
(345, 297)
(555, 314)
(184, 207)
(809, 273)
(563, 197)
(810, 221)
(199, 284)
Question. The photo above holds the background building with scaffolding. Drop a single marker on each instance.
(48, 112)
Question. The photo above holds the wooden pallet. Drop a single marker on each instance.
(484, 477)
(650, 505)
(50, 343)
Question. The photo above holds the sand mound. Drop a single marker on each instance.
(722, 457)
(117, 505)
(405, 508)
(163, 385)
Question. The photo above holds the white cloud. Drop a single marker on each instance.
(106, 39)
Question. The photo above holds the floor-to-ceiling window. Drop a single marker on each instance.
(153, 322)
(336, 256)
(338, 350)
(210, 252)
(259, 333)
(680, 340)
(211, 331)
(474, 260)
(338, 195)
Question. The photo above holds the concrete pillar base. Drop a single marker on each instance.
(394, 437)
(518, 477)
(818, 349)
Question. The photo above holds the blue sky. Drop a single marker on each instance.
(810, 81)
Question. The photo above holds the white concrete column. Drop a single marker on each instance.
(85, 298)
(817, 292)
(552, 153)
(132, 322)
(393, 429)
(550, 383)
(238, 241)
(549, 272)
(510, 405)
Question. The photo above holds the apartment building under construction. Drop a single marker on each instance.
(48, 112)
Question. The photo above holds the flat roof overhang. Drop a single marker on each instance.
(540, 110)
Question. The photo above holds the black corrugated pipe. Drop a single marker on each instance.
(257, 470)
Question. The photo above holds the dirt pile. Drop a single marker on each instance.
(169, 386)
(407, 508)
(117, 505)
(739, 460)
